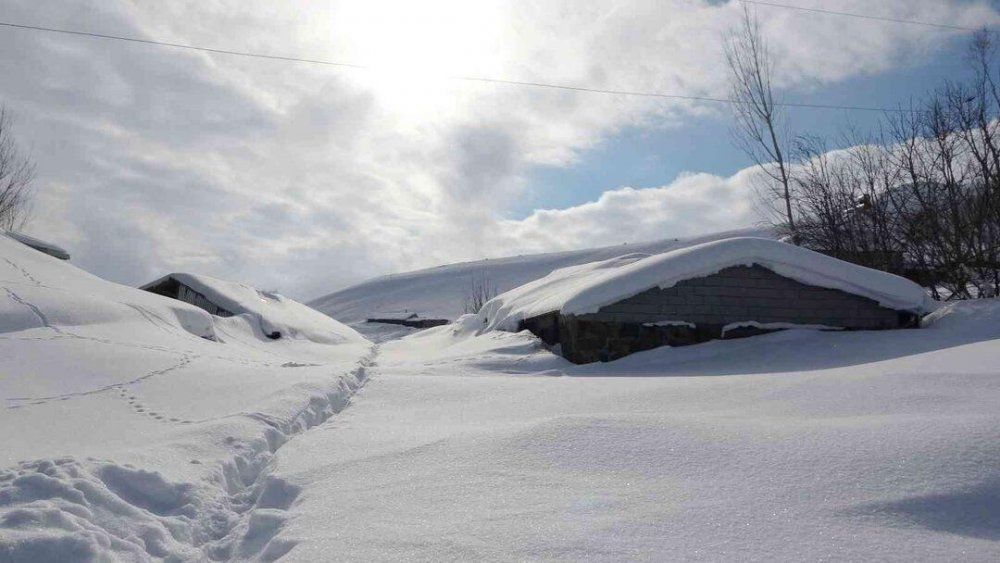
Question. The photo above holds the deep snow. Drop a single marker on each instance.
(794, 446)
(268, 310)
(127, 435)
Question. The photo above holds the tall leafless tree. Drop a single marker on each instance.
(759, 120)
(16, 175)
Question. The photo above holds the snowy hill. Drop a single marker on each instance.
(139, 428)
(440, 292)
(136, 426)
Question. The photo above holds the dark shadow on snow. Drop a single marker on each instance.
(972, 513)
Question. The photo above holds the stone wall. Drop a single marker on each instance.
(749, 294)
(733, 295)
(583, 342)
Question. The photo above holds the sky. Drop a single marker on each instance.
(306, 178)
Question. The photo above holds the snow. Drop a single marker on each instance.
(440, 293)
(671, 323)
(586, 288)
(791, 446)
(38, 244)
(268, 310)
(129, 436)
(776, 326)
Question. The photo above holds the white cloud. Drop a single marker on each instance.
(690, 205)
(304, 178)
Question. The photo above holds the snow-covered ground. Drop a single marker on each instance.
(794, 446)
(127, 435)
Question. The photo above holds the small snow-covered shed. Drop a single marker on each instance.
(723, 289)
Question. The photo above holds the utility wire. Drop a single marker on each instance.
(481, 79)
(178, 45)
(859, 16)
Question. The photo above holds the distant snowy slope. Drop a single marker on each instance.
(440, 292)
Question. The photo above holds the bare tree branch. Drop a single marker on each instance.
(16, 175)
(758, 118)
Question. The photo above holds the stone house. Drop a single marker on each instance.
(724, 289)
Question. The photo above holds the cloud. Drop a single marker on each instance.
(690, 205)
(305, 178)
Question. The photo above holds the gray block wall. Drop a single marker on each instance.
(753, 293)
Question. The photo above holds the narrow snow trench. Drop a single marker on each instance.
(231, 511)
(263, 499)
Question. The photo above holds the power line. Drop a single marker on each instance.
(859, 16)
(481, 79)
(178, 45)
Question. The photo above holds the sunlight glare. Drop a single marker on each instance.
(414, 46)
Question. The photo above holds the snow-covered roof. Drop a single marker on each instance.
(586, 288)
(40, 245)
(440, 292)
(276, 313)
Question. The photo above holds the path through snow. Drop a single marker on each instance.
(449, 454)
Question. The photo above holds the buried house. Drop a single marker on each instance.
(723, 289)
(266, 313)
(190, 289)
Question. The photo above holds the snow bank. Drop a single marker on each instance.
(980, 317)
(775, 326)
(44, 292)
(441, 348)
(794, 446)
(40, 245)
(586, 288)
(271, 311)
(136, 427)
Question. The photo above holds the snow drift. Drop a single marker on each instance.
(269, 310)
(44, 292)
(137, 427)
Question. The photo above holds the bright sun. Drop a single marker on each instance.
(413, 47)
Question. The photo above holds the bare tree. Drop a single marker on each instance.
(16, 175)
(758, 117)
(481, 290)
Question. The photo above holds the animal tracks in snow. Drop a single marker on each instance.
(237, 514)
(25, 273)
(140, 408)
(17, 402)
